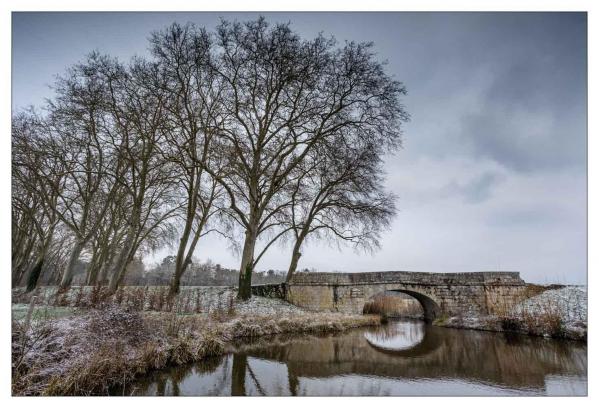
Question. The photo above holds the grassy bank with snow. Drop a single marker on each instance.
(88, 350)
(558, 313)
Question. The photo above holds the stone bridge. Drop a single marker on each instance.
(440, 294)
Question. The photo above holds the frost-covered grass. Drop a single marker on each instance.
(19, 312)
(190, 300)
(93, 350)
(552, 313)
(568, 303)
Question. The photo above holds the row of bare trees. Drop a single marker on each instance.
(250, 132)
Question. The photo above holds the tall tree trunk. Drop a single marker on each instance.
(67, 276)
(247, 265)
(92, 269)
(118, 269)
(103, 273)
(13, 263)
(108, 259)
(23, 262)
(34, 273)
(180, 263)
(181, 266)
(295, 255)
(124, 269)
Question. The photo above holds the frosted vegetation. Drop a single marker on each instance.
(91, 350)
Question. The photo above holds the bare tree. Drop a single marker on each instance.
(285, 95)
(195, 116)
(29, 207)
(106, 240)
(339, 195)
(137, 112)
(26, 205)
(77, 125)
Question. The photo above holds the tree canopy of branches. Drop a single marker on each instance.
(249, 131)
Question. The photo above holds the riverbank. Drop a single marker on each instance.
(86, 351)
(556, 313)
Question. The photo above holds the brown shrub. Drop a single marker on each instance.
(389, 305)
(61, 298)
(97, 296)
(136, 298)
(209, 346)
(105, 367)
(510, 323)
(533, 290)
(153, 355)
(180, 351)
(119, 294)
(79, 295)
(174, 325)
(114, 322)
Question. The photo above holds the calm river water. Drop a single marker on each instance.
(405, 357)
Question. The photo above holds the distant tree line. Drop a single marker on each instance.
(250, 132)
(198, 274)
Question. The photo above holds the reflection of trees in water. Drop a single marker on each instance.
(208, 364)
(256, 382)
(242, 369)
(161, 385)
(514, 362)
(444, 353)
(241, 366)
(238, 374)
(168, 381)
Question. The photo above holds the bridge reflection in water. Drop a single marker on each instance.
(402, 358)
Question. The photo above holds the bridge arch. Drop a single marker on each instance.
(430, 307)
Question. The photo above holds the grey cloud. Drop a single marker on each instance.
(511, 87)
(478, 190)
(517, 217)
(526, 140)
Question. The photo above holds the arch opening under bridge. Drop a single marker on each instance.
(430, 309)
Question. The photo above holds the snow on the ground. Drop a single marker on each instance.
(216, 297)
(535, 314)
(191, 299)
(267, 306)
(569, 302)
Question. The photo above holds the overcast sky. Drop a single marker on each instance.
(492, 175)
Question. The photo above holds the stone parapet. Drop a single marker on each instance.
(406, 277)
